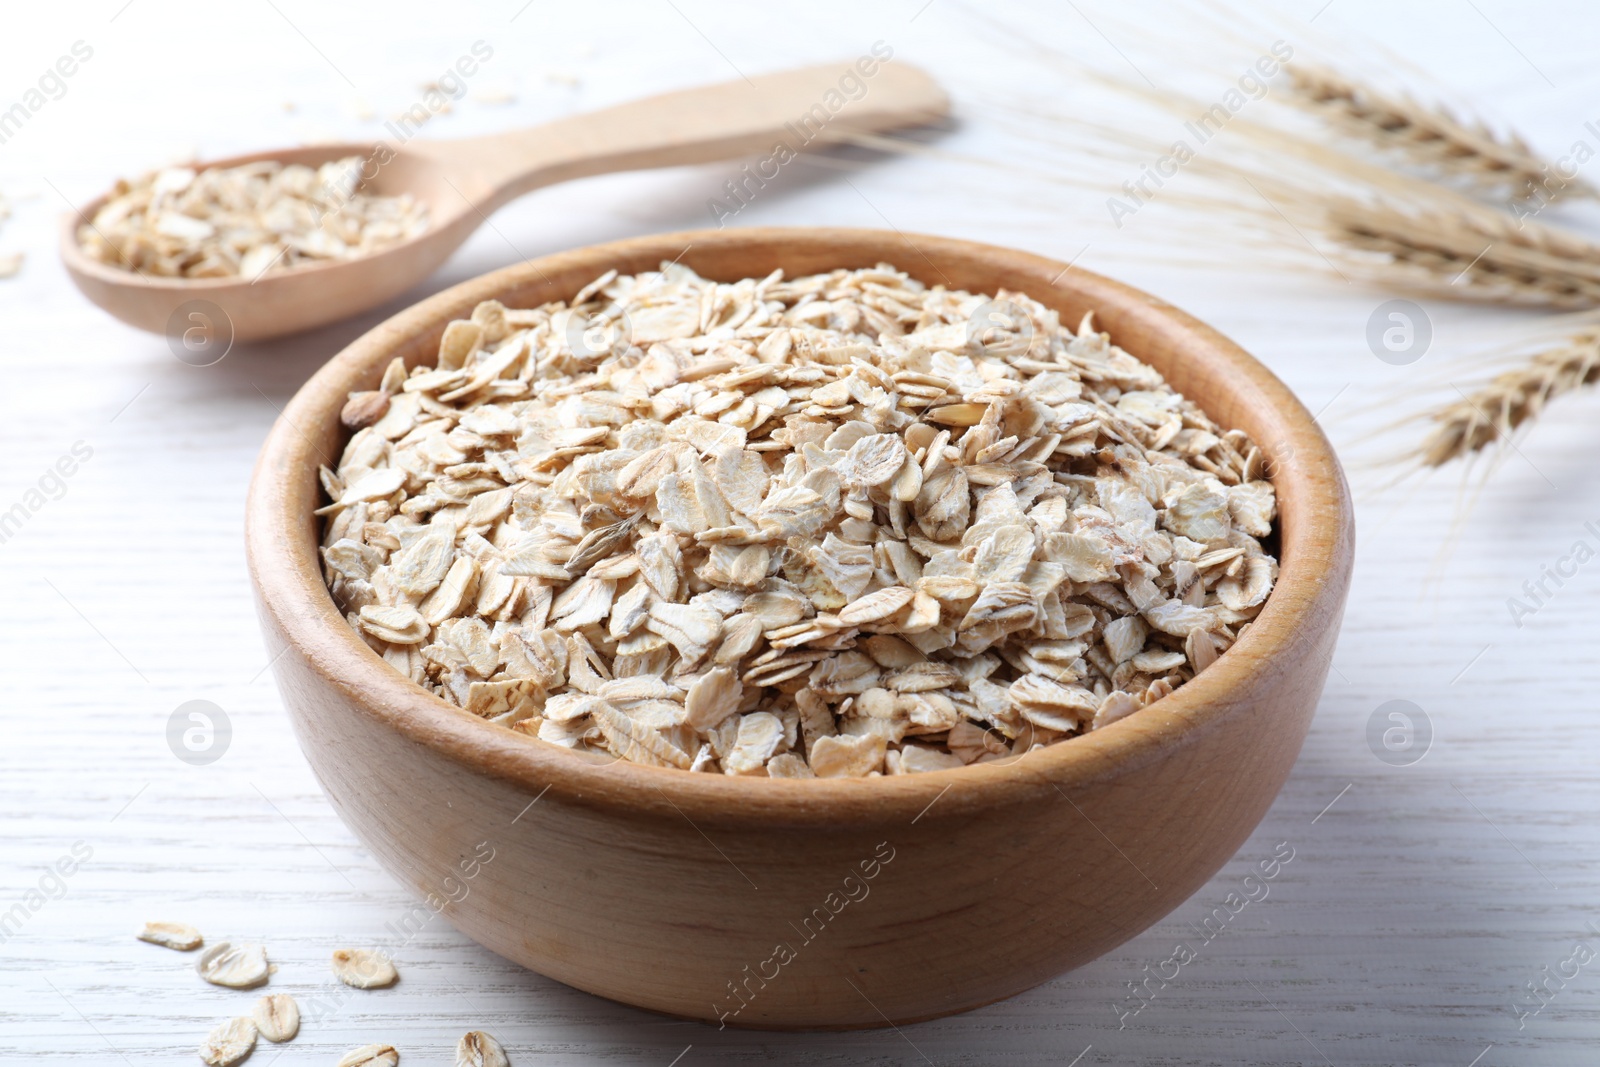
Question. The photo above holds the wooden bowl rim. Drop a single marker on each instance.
(1315, 567)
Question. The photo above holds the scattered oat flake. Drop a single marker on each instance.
(277, 1016)
(180, 936)
(363, 968)
(478, 1049)
(229, 1042)
(370, 1056)
(11, 264)
(810, 527)
(236, 967)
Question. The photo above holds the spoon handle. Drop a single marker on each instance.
(772, 115)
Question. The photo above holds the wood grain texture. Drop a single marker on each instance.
(1420, 901)
(462, 182)
(725, 899)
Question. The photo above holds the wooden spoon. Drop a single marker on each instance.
(464, 181)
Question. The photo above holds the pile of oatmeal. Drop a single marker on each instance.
(246, 221)
(838, 525)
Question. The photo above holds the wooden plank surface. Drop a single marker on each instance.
(1420, 900)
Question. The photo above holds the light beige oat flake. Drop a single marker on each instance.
(847, 757)
(240, 967)
(180, 936)
(478, 1049)
(370, 1056)
(229, 1042)
(363, 968)
(277, 1016)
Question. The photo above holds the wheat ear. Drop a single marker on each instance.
(1499, 166)
(1471, 254)
(1508, 401)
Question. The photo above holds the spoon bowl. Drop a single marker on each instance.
(463, 182)
(287, 301)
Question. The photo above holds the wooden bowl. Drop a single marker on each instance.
(825, 903)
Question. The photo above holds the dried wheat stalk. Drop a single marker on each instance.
(1502, 166)
(1494, 411)
(1395, 229)
(1463, 252)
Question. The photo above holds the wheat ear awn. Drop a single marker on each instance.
(1510, 400)
(1501, 166)
(1471, 254)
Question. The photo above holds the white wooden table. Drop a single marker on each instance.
(1420, 901)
